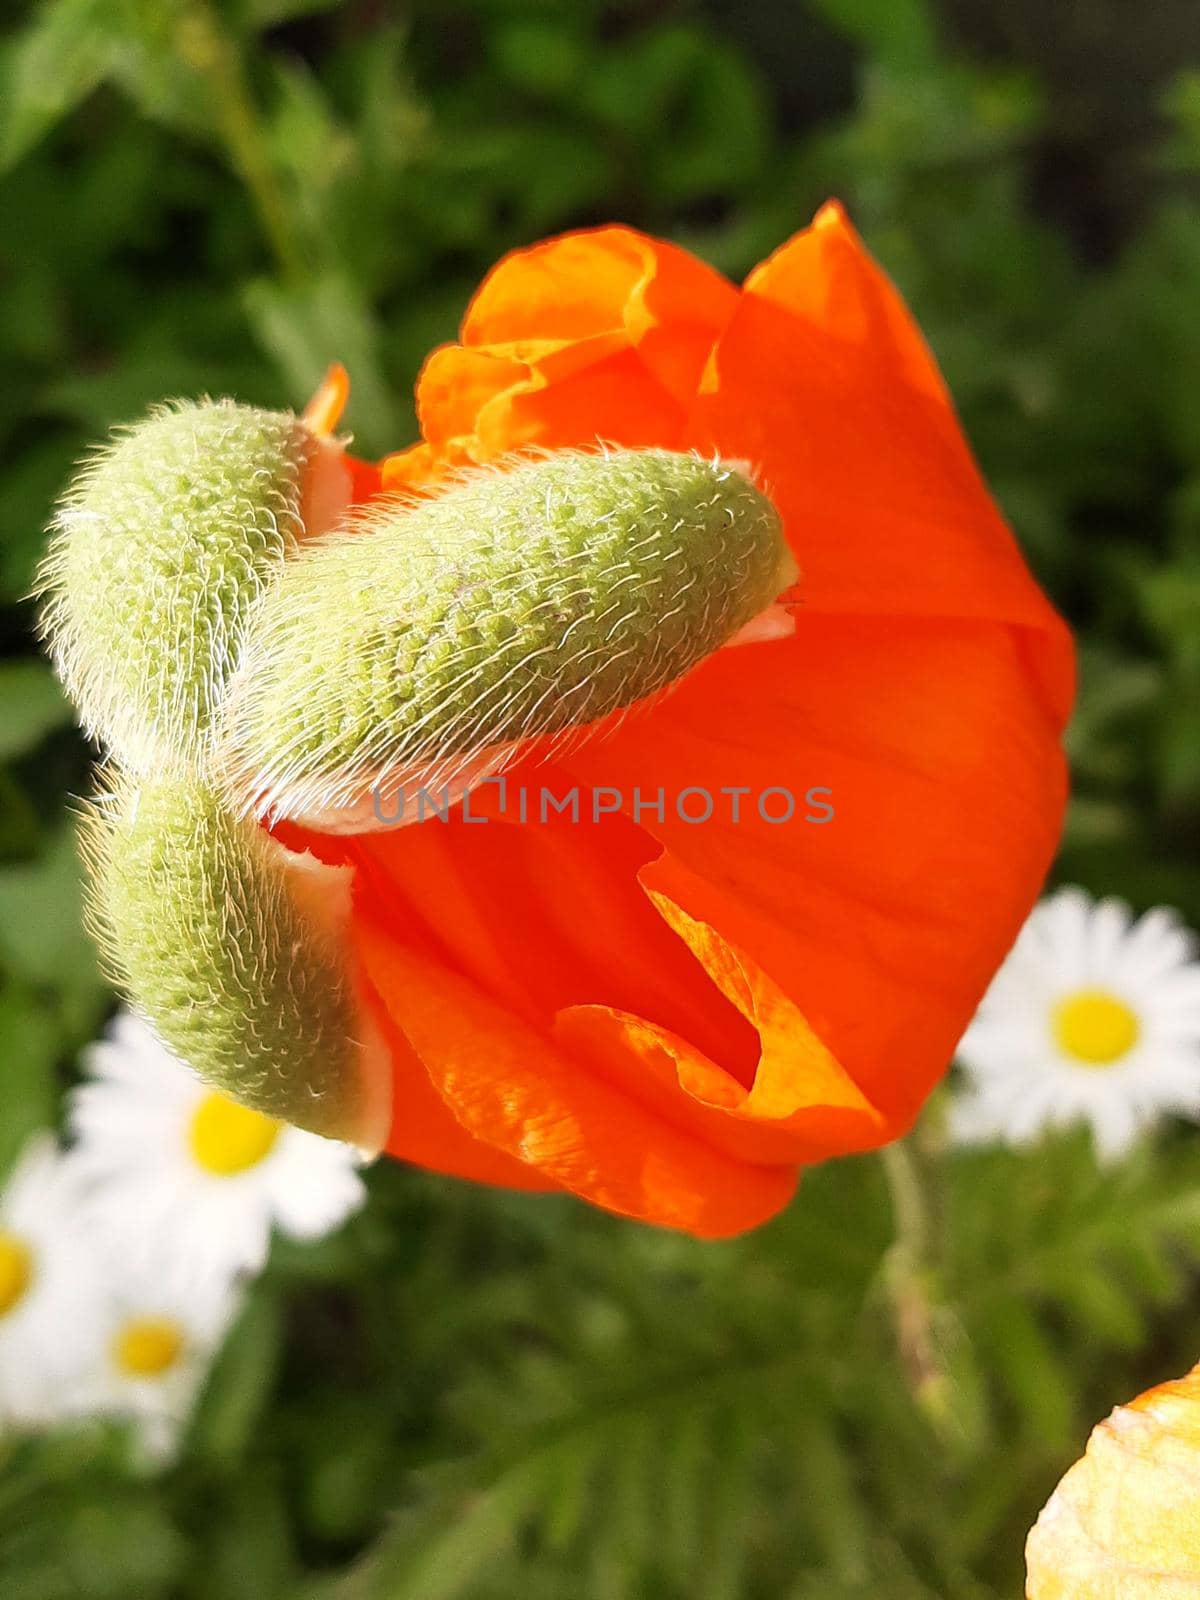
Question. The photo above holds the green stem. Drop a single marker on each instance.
(909, 1209)
(211, 52)
(907, 1275)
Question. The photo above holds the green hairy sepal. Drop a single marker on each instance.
(234, 950)
(433, 636)
(235, 663)
(159, 550)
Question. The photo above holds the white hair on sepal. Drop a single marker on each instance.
(527, 600)
(164, 539)
(234, 949)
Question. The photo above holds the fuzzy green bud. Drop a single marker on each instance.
(159, 549)
(234, 950)
(520, 603)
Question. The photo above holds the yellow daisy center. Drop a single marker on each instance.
(16, 1271)
(148, 1347)
(226, 1138)
(1095, 1027)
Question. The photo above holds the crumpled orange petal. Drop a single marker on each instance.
(664, 303)
(668, 1019)
(565, 344)
(1124, 1523)
(800, 1105)
(508, 1085)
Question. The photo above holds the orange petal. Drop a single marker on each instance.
(593, 336)
(825, 277)
(801, 1105)
(455, 384)
(597, 282)
(884, 925)
(426, 1134)
(1125, 1521)
(365, 478)
(823, 381)
(423, 1130)
(415, 469)
(545, 914)
(614, 401)
(324, 411)
(509, 1087)
(675, 314)
(569, 287)
(477, 406)
(549, 918)
(322, 415)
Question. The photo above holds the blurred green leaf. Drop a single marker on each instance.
(901, 33)
(121, 1548)
(701, 101)
(41, 921)
(542, 55)
(31, 706)
(271, 13)
(46, 69)
(239, 1385)
(30, 1045)
(249, 1554)
(441, 1561)
(1171, 598)
(305, 329)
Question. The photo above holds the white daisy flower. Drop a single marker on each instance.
(1092, 1018)
(151, 1340)
(171, 1168)
(46, 1281)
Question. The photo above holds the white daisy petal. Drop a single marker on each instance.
(1156, 943)
(170, 1169)
(307, 1211)
(151, 1339)
(1116, 1125)
(1093, 1018)
(971, 1118)
(1107, 927)
(1058, 934)
(46, 1278)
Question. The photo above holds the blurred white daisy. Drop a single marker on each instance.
(1092, 1018)
(174, 1170)
(47, 1275)
(151, 1337)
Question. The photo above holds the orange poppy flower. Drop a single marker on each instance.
(1125, 1520)
(671, 1019)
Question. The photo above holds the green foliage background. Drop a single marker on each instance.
(482, 1395)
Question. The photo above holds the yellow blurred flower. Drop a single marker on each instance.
(1124, 1524)
(151, 1336)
